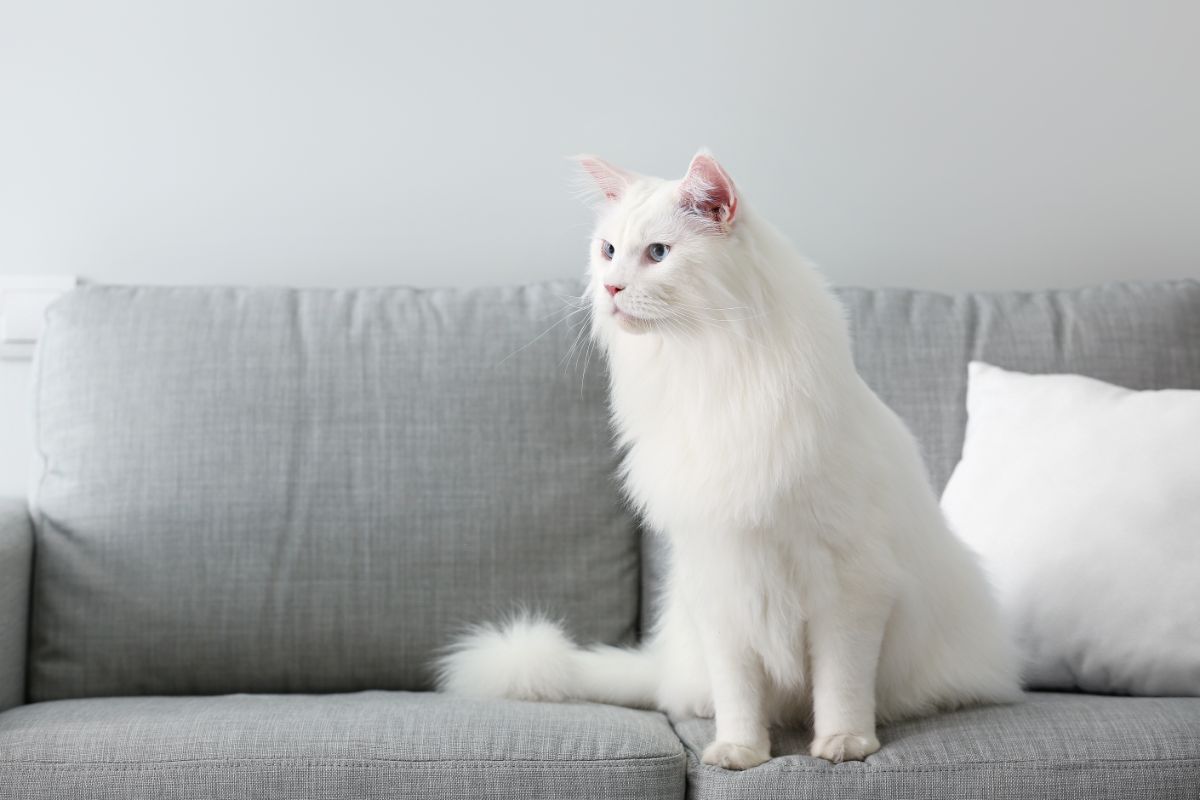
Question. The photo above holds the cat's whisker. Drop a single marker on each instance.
(586, 343)
(726, 320)
(587, 360)
(541, 335)
(569, 301)
(574, 300)
(696, 309)
(696, 321)
(583, 329)
(699, 317)
(716, 308)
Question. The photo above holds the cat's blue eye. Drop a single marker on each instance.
(658, 251)
(607, 250)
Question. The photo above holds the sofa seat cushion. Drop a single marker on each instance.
(1052, 745)
(364, 745)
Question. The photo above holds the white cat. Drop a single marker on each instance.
(812, 574)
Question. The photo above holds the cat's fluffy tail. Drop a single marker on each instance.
(530, 658)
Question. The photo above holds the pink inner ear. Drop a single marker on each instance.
(611, 180)
(709, 190)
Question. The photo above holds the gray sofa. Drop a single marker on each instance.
(261, 511)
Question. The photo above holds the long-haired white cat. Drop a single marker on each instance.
(812, 575)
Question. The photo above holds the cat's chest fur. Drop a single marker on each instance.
(709, 442)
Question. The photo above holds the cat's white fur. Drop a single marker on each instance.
(812, 574)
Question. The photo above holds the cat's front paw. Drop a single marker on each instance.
(734, 756)
(841, 747)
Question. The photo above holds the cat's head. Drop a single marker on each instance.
(660, 256)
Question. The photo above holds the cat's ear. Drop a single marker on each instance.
(611, 181)
(708, 190)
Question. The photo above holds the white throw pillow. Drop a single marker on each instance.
(1083, 500)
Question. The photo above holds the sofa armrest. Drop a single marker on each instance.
(16, 567)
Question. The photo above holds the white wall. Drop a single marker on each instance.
(935, 144)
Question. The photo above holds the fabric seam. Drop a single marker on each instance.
(641, 763)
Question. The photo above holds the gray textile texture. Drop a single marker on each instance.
(16, 561)
(280, 490)
(1083, 747)
(311, 747)
(913, 347)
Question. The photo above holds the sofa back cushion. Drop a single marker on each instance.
(280, 490)
(913, 347)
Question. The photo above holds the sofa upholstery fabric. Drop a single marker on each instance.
(312, 747)
(1070, 746)
(913, 347)
(16, 563)
(270, 490)
(281, 490)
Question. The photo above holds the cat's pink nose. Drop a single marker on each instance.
(612, 290)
